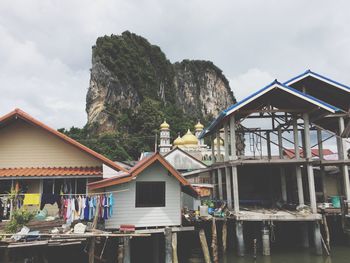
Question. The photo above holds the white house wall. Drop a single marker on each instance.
(125, 212)
(182, 161)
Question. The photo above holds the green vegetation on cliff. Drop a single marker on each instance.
(141, 88)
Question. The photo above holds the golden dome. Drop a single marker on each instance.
(189, 138)
(199, 126)
(178, 141)
(164, 125)
(221, 141)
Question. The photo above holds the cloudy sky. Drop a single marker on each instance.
(45, 46)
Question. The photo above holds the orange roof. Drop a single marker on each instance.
(137, 169)
(17, 113)
(290, 153)
(50, 171)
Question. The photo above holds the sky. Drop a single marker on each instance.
(45, 46)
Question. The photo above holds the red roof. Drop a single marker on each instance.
(51, 171)
(290, 153)
(137, 169)
(17, 113)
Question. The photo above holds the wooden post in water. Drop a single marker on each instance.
(92, 250)
(155, 238)
(120, 253)
(304, 231)
(240, 238)
(214, 242)
(224, 236)
(174, 246)
(204, 246)
(265, 240)
(168, 246)
(317, 239)
(126, 252)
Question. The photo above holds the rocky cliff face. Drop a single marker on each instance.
(127, 69)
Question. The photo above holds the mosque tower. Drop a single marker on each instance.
(164, 145)
(198, 128)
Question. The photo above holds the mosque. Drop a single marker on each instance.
(189, 143)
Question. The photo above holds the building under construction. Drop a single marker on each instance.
(285, 126)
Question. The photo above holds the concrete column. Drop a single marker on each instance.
(320, 154)
(265, 237)
(233, 138)
(213, 159)
(304, 231)
(235, 189)
(168, 247)
(215, 183)
(297, 167)
(268, 145)
(240, 239)
(317, 239)
(221, 196)
(309, 167)
(226, 141)
(228, 187)
(282, 170)
(218, 149)
(343, 156)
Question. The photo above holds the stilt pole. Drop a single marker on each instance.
(204, 246)
(214, 242)
(168, 246)
(126, 252)
(265, 240)
(240, 239)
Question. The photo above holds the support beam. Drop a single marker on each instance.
(297, 167)
(226, 141)
(218, 146)
(322, 171)
(309, 167)
(127, 248)
(282, 170)
(235, 189)
(343, 156)
(240, 239)
(268, 145)
(221, 194)
(317, 239)
(213, 160)
(168, 246)
(174, 247)
(228, 187)
(155, 238)
(304, 231)
(233, 138)
(265, 237)
(214, 181)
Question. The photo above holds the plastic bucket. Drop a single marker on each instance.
(335, 201)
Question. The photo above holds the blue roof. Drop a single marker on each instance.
(309, 72)
(277, 84)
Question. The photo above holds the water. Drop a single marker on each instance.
(340, 254)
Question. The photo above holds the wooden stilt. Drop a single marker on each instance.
(304, 231)
(204, 246)
(224, 236)
(214, 242)
(326, 230)
(155, 238)
(228, 187)
(168, 246)
(240, 239)
(266, 241)
(174, 246)
(120, 253)
(126, 252)
(317, 239)
(92, 250)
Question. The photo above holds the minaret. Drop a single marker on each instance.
(198, 128)
(164, 145)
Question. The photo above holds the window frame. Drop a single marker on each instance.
(162, 200)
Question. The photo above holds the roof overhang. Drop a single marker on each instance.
(275, 95)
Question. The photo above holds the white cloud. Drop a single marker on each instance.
(45, 47)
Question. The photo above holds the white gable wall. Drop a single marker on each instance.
(182, 161)
(125, 212)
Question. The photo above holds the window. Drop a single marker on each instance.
(150, 194)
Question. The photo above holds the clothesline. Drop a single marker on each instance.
(87, 194)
